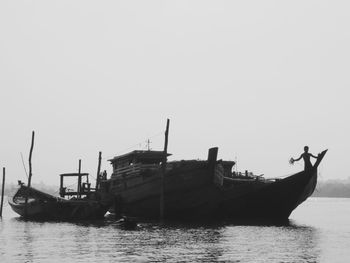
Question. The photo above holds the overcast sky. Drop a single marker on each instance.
(258, 79)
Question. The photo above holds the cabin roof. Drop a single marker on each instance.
(138, 154)
(74, 174)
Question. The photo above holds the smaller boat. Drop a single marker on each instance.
(84, 203)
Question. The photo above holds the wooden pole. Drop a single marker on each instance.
(163, 171)
(98, 170)
(61, 186)
(79, 180)
(2, 190)
(30, 161)
(30, 174)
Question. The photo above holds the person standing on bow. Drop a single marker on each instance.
(306, 156)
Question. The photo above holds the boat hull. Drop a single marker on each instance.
(192, 194)
(60, 211)
(43, 206)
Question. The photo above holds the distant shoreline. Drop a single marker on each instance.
(322, 196)
(333, 188)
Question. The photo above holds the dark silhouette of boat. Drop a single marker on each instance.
(146, 186)
(82, 204)
(203, 189)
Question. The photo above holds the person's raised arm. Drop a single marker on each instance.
(301, 156)
(292, 160)
(313, 156)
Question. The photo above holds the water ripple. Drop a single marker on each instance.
(304, 239)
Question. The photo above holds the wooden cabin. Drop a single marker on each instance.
(83, 188)
(132, 168)
(134, 162)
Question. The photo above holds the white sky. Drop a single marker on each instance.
(258, 79)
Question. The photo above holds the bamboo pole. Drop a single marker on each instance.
(30, 174)
(2, 190)
(163, 171)
(98, 170)
(30, 161)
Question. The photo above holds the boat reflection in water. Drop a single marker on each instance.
(313, 234)
(169, 242)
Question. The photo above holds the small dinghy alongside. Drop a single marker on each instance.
(84, 203)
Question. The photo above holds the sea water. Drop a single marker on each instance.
(318, 231)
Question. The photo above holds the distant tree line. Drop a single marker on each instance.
(333, 188)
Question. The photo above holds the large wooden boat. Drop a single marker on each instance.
(84, 203)
(208, 189)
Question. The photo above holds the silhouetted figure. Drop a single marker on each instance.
(306, 156)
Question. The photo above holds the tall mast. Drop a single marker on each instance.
(163, 171)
